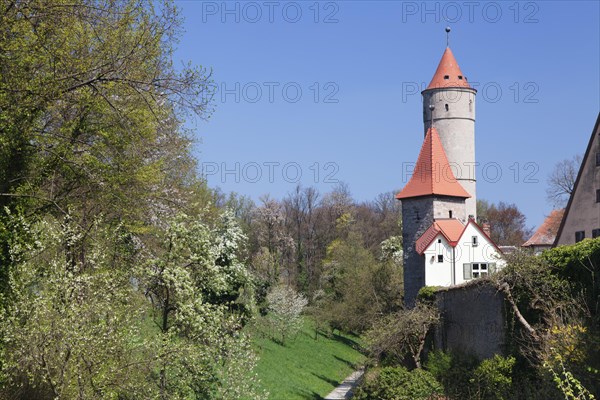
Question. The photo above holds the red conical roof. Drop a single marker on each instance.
(432, 174)
(448, 73)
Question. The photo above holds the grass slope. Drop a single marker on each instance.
(305, 368)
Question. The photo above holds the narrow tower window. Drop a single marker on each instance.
(446, 107)
(597, 159)
(597, 195)
(450, 214)
(470, 105)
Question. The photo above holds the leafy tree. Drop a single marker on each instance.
(92, 109)
(187, 279)
(553, 304)
(285, 309)
(79, 327)
(270, 233)
(358, 289)
(72, 330)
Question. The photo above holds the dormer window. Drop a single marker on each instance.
(446, 76)
(460, 77)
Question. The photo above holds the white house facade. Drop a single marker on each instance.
(455, 253)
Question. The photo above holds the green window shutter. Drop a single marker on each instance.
(467, 271)
(492, 268)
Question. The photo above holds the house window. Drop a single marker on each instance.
(597, 159)
(478, 270)
(439, 240)
(440, 258)
(579, 236)
(595, 233)
(474, 241)
(597, 195)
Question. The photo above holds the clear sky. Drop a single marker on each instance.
(330, 90)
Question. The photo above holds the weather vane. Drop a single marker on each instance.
(447, 36)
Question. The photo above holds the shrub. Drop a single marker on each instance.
(493, 378)
(426, 294)
(453, 370)
(401, 336)
(397, 383)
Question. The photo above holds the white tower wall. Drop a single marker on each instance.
(454, 119)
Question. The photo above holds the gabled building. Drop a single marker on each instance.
(582, 215)
(455, 253)
(545, 235)
(442, 243)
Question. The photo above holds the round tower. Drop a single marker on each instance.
(449, 106)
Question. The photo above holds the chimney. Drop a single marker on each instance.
(486, 228)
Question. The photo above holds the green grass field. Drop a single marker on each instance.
(306, 368)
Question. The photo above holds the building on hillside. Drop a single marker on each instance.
(545, 235)
(442, 243)
(582, 215)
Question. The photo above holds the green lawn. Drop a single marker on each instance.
(305, 368)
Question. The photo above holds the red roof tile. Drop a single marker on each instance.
(432, 174)
(448, 73)
(546, 233)
(451, 229)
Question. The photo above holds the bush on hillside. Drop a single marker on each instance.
(398, 383)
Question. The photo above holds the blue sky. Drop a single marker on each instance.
(329, 90)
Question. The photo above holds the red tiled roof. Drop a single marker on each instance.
(451, 229)
(432, 174)
(546, 233)
(448, 73)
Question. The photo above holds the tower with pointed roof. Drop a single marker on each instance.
(449, 105)
(433, 193)
(440, 236)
